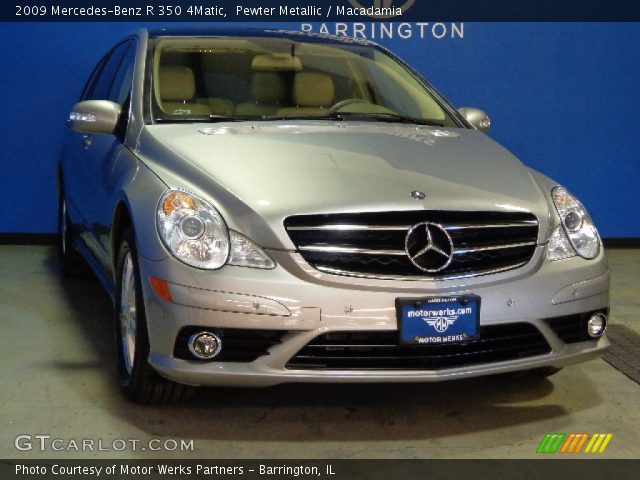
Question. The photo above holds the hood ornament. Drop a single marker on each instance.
(418, 195)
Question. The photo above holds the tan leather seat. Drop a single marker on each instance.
(269, 92)
(177, 89)
(313, 93)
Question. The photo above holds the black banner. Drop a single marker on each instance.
(318, 10)
(321, 469)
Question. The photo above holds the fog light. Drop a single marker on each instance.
(596, 325)
(204, 345)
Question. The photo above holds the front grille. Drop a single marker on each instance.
(373, 244)
(380, 350)
(238, 345)
(573, 328)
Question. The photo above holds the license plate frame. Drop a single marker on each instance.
(438, 320)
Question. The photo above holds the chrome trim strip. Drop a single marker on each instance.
(492, 247)
(464, 226)
(461, 226)
(365, 251)
(348, 228)
(335, 271)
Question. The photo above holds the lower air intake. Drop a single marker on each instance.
(380, 350)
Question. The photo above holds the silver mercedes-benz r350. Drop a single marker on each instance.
(268, 206)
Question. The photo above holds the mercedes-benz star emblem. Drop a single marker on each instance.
(429, 247)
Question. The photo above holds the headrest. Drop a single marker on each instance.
(276, 62)
(268, 87)
(313, 89)
(177, 83)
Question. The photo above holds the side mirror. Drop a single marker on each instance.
(477, 118)
(94, 116)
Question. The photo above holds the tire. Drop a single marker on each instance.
(139, 382)
(71, 263)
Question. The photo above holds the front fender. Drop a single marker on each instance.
(136, 204)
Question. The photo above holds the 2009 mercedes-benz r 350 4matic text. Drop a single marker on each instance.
(268, 206)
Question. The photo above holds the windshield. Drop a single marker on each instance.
(196, 79)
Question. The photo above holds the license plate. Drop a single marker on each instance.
(438, 320)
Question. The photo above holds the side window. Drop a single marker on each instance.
(121, 86)
(108, 72)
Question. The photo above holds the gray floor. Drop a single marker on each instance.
(57, 378)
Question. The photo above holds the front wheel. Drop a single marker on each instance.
(139, 381)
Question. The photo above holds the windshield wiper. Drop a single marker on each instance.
(386, 117)
(258, 118)
(335, 116)
(365, 117)
(234, 118)
(274, 118)
(207, 118)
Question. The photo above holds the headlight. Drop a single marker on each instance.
(245, 253)
(193, 230)
(576, 229)
(559, 245)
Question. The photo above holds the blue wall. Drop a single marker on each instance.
(563, 97)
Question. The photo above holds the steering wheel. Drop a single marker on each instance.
(348, 101)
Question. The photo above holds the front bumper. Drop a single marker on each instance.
(261, 374)
(306, 303)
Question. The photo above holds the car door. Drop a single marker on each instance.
(114, 159)
(73, 155)
(92, 152)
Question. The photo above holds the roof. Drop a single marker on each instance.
(255, 32)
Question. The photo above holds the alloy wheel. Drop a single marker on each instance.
(128, 314)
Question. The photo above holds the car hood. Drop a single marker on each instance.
(259, 173)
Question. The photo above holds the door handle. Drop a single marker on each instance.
(86, 140)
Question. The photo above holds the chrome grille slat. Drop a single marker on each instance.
(364, 251)
(338, 227)
(529, 223)
(351, 227)
(372, 245)
(492, 247)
